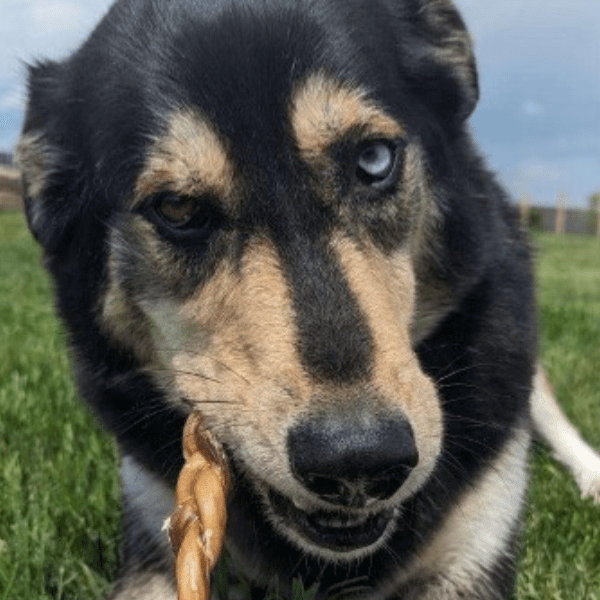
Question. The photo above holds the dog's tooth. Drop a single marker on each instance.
(330, 522)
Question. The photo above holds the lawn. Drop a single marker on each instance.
(561, 557)
(59, 507)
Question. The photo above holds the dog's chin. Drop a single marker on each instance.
(335, 534)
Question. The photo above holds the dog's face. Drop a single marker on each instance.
(271, 305)
(260, 190)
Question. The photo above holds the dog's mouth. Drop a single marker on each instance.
(334, 530)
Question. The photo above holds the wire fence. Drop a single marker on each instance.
(561, 218)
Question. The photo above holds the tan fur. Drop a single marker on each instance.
(385, 289)
(189, 159)
(33, 157)
(324, 110)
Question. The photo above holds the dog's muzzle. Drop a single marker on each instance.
(353, 462)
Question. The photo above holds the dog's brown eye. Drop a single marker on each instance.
(177, 211)
(376, 161)
(184, 220)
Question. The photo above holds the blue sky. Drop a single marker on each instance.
(538, 121)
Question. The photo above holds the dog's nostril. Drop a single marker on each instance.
(325, 487)
(346, 459)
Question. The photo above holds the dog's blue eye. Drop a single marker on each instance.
(376, 161)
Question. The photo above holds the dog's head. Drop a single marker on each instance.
(244, 201)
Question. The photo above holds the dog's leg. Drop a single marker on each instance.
(566, 444)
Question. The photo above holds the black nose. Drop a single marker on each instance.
(348, 459)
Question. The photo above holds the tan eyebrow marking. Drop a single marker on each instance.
(324, 110)
(189, 158)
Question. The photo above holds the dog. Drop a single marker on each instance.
(272, 212)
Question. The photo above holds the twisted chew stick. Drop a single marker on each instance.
(197, 525)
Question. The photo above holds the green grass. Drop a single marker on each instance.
(58, 491)
(561, 557)
(59, 513)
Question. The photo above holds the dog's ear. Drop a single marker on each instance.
(443, 60)
(46, 157)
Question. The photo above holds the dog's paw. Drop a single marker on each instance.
(588, 481)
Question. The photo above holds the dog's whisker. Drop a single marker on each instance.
(178, 371)
(463, 370)
(233, 371)
(212, 359)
